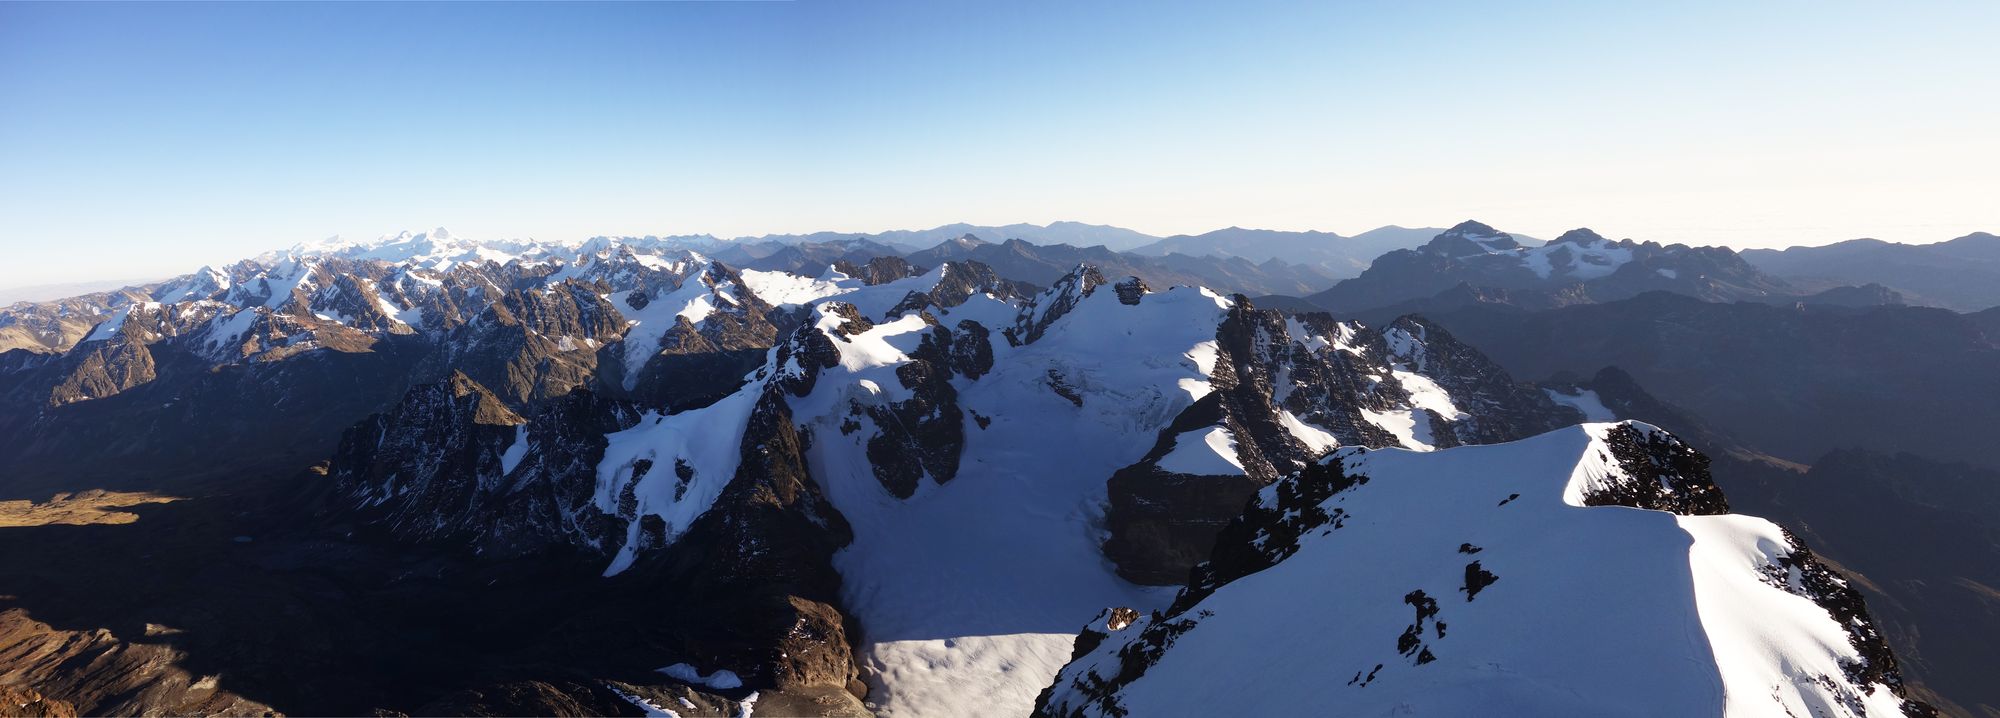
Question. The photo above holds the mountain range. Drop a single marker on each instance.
(1962, 274)
(1340, 257)
(843, 475)
(1579, 266)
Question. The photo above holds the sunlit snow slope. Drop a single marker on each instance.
(1511, 579)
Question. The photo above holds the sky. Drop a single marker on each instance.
(144, 140)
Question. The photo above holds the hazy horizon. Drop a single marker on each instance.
(49, 290)
(167, 136)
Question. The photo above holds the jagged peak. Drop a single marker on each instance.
(1062, 296)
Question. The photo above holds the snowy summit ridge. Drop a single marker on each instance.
(1592, 570)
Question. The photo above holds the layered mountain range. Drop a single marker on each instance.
(1962, 274)
(891, 483)
(1578, 267)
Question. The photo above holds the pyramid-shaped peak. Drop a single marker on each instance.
(1469, 238)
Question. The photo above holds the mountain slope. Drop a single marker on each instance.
(1795, 381)
(1915, 535)
(1077, 234)
(801, 257)
(1339, 257)
(1962, 274)
(1988, 322)
(1923, 534)
(1044, 264)
(256, 368)
(1532, 587)
(1579, 265)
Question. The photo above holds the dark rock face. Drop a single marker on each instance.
(25, 702)
(962, 281)
(431, 470)
(879, 270)
(755, 572)
(1501, 408)
(694, 365)
(1801, 573)
(1162, 523)
(103, 370)
(1062, 297)
(971, 352)
(347, 295)
(922, 435)
(534, 345)
(756, 568)
(1669, 475)
(429, 454)
(1131, 290)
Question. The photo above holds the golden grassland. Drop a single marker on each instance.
(78, 509)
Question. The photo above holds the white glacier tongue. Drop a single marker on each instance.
(1476, 581)
(971, 588)
(971, 591)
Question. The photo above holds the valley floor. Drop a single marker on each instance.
(213, 604)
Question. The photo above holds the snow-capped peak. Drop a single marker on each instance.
(1587, 571)
(1471, 238)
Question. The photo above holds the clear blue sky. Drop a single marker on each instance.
(148, 139)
